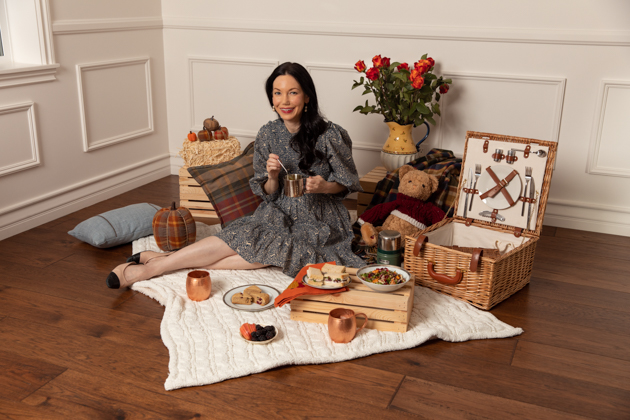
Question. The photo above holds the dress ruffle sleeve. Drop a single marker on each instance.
(261, 154)
(339, 154)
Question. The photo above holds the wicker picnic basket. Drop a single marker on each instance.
(439, 256)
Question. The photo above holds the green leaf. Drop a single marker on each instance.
(449, 81)
(424, 57)
(358, 108)
(389, 86)
(366, 91)
(437, 96)
(422, 108)
(429, 76)
(362, 79)
(429, 119)
(436, 109)
(355, 85)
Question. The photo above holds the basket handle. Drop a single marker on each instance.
(443, 278)
(419, 243)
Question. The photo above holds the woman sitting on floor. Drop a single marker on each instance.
(284, 232)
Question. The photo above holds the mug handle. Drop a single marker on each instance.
(364, 323)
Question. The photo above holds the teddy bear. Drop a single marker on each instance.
(409, 213)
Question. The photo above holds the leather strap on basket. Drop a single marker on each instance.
(474, 260)
(500, 186)
(419, 243)
(443, 278)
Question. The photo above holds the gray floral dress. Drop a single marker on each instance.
(292, 232)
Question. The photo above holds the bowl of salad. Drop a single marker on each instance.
(383, 278)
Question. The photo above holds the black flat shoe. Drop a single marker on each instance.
(146, 256)
(116, 279)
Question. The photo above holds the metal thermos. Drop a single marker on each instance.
(389, 248)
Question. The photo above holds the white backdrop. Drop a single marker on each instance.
(135, 77)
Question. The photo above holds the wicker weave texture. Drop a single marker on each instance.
(493, 282)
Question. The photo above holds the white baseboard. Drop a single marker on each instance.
(590, 217)
(20, 218)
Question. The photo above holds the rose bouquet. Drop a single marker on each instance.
(403, 95)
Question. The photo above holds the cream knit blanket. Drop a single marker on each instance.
(205, 347)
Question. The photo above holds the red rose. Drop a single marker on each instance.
(360, 66)
(386, 62)
(372, 73)
(418, 82)
(431, 61)
(403, 66)
(443, 88)
(422, 66)
(377, 61)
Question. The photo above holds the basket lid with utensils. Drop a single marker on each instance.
(504, 182)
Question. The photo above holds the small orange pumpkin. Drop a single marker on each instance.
(174, 228)
(192, 136)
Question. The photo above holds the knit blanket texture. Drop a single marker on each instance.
(205, 346)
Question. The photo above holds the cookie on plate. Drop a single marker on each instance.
(240, 299)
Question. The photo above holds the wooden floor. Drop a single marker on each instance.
(72, 349)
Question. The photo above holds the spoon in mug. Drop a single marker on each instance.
(285, 169)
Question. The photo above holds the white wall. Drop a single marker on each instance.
(555, 71)
(66, 145)
(150, 71)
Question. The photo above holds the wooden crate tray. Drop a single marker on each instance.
(192, 197)
(385, 311)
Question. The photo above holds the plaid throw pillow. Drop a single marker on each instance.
(227, 186)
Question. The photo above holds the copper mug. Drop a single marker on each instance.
(294, 185)
(342, 324)
(198, 285)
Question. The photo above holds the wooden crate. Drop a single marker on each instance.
(192, 197)
(385, 311)
(368, 182)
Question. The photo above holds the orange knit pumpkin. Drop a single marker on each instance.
(174, 228)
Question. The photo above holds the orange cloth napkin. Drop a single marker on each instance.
(297, 288)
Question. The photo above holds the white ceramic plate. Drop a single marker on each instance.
(254, 307)
(259, 342)
(384, 288)
(337, 286)
(486, 183)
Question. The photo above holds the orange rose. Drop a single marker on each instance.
(415, 73)
(422, 66)
(377, 61)
(418, 82)
(360, 66)
(443, 88)
(372, 73)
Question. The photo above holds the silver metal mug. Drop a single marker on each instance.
(294, 185)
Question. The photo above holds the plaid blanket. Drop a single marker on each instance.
(441, 163)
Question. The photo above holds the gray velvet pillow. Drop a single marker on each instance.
(117, 227)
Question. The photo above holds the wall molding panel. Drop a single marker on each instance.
(195, 85)
(34, 160)
(602, 142)
(126, 97)
(30, 213)
(372, 30)
(86, 26)
(557, 83)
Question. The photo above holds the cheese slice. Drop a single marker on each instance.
(329, 268)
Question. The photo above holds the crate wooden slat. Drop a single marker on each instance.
(385, 311)
(192, 197)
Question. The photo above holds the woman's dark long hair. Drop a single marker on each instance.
(312, 124)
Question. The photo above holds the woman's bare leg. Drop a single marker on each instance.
(208, 252)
